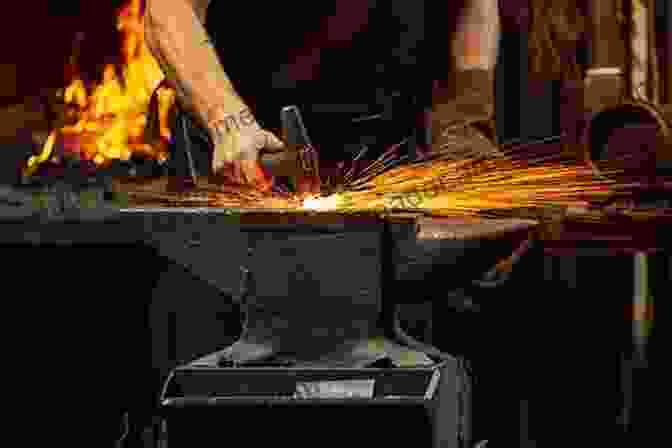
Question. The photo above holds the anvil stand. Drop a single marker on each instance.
(449, 405)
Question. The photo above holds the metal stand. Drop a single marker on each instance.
(429, 401)
(636, 361)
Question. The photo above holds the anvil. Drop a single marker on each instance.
(309, 258)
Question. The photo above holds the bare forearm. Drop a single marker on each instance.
(177, 38)
(476, 42)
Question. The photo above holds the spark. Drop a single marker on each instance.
(330, 202)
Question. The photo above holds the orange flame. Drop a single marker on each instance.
(111, 120)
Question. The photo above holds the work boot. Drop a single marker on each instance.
(462, 117)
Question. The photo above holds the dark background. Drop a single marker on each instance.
(39, 36)
(541, 344)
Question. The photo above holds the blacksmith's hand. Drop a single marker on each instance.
(238, 139)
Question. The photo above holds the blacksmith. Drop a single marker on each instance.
(235, 64)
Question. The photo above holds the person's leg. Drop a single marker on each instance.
(463, 102)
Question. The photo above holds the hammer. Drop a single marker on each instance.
(295, 159)
(298, 157)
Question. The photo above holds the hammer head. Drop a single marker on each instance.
(298, 159)
(284, 163)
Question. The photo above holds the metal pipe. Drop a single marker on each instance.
(641, 305)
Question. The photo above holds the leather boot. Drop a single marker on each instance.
(463, 116)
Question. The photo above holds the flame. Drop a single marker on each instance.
(35, 161)
(111, 120)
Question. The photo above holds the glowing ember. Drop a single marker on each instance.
(111, 116)
(322, 203)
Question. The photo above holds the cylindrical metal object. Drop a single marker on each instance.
(641, 306)
(647, 135)
(605, 87)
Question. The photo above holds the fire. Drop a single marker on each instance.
(110, 120)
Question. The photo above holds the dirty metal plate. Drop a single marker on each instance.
(307, 266)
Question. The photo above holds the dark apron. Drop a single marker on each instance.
(368, 90)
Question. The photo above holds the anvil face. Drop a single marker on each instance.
(322, 289)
